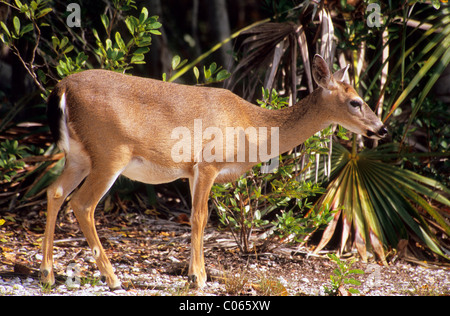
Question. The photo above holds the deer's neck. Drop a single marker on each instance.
(299, 122)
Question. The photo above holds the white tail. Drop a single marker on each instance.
(110, 124)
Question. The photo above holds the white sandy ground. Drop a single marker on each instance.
(304, 277)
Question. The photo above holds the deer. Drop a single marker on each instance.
(110, 124)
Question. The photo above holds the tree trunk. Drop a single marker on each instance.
(220, 26)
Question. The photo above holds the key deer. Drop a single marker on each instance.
(111, 124)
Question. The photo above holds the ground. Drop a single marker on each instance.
(151, 258)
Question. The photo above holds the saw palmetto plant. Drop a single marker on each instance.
(381, 203)
(378, 203)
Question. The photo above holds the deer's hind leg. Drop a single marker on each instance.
(77, 167)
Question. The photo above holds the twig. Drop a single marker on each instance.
(30, 65)
(26, 66)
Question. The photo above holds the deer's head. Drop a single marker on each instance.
(343, 104)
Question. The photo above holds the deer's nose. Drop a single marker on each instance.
(382, 131)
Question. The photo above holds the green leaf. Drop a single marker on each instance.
(108, 44)
(155, 32)
(105, 21)
(130, 25)
(175, 62)
(64, 42)
(120, 41)
(33, 5)
(154, 25)
(94, 31)
(68, 49)
(352, 281)
(47, 178)
(18, 4)
(44, 12)
(55, 43)
(143, 16)
(16, 23)
(60, 71)
(27, 28)
(212, 68)
(196, 73)
(146, 40)
(5, 28)
(81, 59)
(138, 59)
(207, 72)
(353, 291)
(436, 4)
(356, 271)
(223, 75)
(142, 50)
(111, 53)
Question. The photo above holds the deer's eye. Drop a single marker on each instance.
(356, 103)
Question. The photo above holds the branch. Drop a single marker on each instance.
(28, 68)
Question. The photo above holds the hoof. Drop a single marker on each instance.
(116, 288)
(195, 282)
(192, 278)
(47, 277)
(113, 283)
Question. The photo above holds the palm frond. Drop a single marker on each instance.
(435, 53)
(380, 203)
(264, 48)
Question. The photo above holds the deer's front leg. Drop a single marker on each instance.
(200, 185)
(197, 272)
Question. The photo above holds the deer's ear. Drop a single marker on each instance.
(321, 73)
(340, 74)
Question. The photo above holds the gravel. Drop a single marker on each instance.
(296, 276)
(155, 263)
